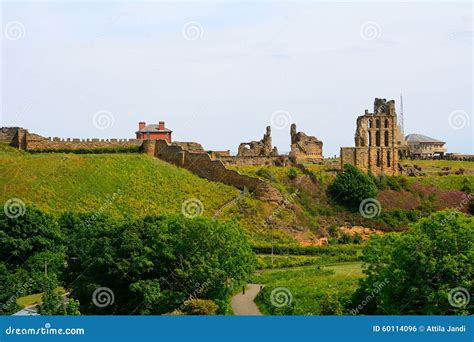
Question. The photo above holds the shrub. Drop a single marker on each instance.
(200, 307)
(352, 186)
(292, 173)
(267, 174)
(466, 186)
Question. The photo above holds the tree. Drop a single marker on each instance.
(52, 301)
(423, 271)
(153, 265)
(351, 187)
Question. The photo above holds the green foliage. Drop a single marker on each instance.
(414, 272)
(315, 290)
(52, 303)
(466, 186)
(201, 307)
(72, 308)
(310, 250)
(154, 264)
(267, 174)
(351, 187)
(292, 173)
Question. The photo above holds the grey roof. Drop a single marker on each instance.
(421, 139)
(153, 129)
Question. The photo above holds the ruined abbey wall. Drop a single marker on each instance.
(202, 165)
(304, 148)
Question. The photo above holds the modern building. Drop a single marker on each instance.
(153, 132)
(422, 146)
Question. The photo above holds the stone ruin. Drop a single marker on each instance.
(262, 148)
(376, 145)
(305, 148)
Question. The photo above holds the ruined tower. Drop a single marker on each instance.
(376, 143)
(305, 148)
(262, 148)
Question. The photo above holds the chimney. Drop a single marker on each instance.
(141, 125)
(161, 125)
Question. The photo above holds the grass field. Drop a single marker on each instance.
(57, 182)
(314, 290)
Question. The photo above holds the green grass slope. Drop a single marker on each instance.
(142, 185)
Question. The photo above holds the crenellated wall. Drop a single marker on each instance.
(202, 165)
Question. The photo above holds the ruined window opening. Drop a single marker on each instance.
(378, 158)
(386, 138)
(370, 138)
(388, 159)
(370, 123)
(377, 123)
(377, 139)
(386, 123)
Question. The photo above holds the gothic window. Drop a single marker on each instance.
(386, 138)
(377, 138)
(370, 138)
(388, 159)
(386, 123)
(378, 158)
(377, 123)
(370, 123)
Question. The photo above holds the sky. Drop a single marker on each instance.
(219, 73)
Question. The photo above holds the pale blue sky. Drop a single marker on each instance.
(309, 59)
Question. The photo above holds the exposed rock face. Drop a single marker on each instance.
(262, 148)
(305, 148)
(376, 144)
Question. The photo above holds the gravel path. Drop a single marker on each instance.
(243, 304)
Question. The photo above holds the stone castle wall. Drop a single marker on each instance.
(34, 143)
(202, 165)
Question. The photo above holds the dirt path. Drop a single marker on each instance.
(243, 304)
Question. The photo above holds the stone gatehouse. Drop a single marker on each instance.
(376, 140)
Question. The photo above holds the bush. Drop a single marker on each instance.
(351, 187)
(292, 173)
(200, 307)
(466, 186)
(267, 174)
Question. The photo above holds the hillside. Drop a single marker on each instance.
(124, 186)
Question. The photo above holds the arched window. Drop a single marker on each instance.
(386, 138)
(378, 158)
(388, 159)
(377, 138)
(386, 123)
(370, 123)
(377, 123)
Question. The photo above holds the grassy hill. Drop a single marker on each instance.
(122, 185)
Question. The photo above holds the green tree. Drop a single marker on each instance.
(351, 187)
(422, 270)
(152, 265)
